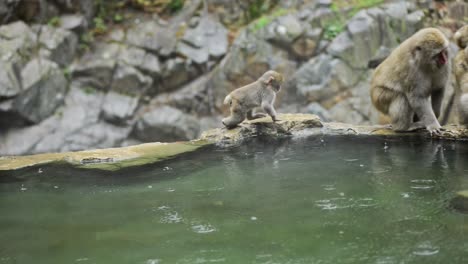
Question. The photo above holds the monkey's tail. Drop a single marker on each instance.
(228, 100)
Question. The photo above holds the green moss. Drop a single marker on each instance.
(175, 5)
(54, 22)
(343, 10)
(333, 28)
(89, 90)
(265, 20)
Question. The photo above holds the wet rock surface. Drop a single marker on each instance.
(290, 125)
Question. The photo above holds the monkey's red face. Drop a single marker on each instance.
(441, 58)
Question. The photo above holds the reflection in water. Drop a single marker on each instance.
(316, 200)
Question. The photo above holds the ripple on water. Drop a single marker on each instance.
(426, 249)
(203, 229)
(171, 218)
(153, 261)
(386, 260)
(422, 184)
(329, 187)
(343, 203)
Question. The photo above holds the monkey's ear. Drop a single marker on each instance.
(270, 80)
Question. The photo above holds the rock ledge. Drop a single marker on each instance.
(289, 125)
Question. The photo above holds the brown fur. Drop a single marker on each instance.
(261, 93)
(461, 74)
(403, 83)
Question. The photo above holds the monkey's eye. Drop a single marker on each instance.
(418, 48)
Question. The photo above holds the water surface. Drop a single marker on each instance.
(316, 200)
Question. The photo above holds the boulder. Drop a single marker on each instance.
(44, 88)
(318, 110)
(153, 37)
(81, 109)
(289, 124)
(193, 98)
(128, 80)
(12, 141)
(321, 78)
(208, 39)
(9, 82)
(176, 72)
(166, 124)
(119, 108)
(95, 74)
(284, 30)
(17, 43)
(74, 22)
(57, 44)
(95, 136)
(142, 60)
(370, 29)
(96, 69)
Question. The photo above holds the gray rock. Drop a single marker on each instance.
(176, 72)
(118, 35)
(118, 108)
(58, 45)
(324, 3)
(166, 124)
(96, 136)
(209, 38)
(128, 80)
(17, 43)
(94, 73)
(323, 77)
(193, 98)
(142, 60)
(197, 55)
(153, 37)
(81, 110)
(308, 44)
(285, 30)
(44, 88)
(210, 122)
(359, 43)
(21, 141)
(370, 29)
(344, 112)
(73, 22)
(415, 21)
(9, 83)
(317, 109)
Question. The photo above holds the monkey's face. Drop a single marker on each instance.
(275, 85)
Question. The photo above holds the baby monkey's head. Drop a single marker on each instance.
(272, 79)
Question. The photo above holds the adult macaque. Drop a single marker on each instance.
(409, 84)
(461, 74)
(261, 93)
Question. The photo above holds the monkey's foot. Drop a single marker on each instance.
(256, 116)
(416, 126)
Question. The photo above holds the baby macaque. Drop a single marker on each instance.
(261, 93)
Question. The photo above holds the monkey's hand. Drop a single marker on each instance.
(434, 129)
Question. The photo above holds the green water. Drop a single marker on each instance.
(316, 200)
